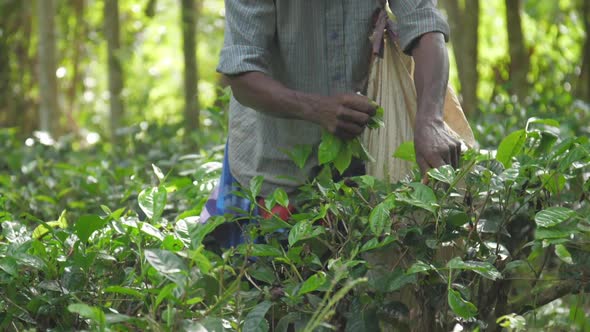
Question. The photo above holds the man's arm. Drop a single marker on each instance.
(422, 31)
(344, 115)
(249, 39)
(434, 145)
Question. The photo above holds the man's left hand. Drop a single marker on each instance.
(435, 146)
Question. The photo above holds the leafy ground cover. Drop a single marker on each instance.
(104, 239)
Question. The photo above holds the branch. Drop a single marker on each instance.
(560, 290)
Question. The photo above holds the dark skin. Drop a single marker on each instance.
(346, 115)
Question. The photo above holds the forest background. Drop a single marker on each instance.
(135, 81)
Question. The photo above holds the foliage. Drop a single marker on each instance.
(494, 238)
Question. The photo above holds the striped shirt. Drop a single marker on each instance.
(313, 46)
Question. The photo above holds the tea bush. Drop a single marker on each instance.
(101, 239)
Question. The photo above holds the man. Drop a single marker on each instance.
(294, 67)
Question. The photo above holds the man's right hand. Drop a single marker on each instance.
(344, 115)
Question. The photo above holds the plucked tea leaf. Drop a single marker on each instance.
(329, 148)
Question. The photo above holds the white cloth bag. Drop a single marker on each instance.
(391, 85)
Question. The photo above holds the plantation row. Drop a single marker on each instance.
(94, 240)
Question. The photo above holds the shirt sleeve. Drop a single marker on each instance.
(417, 17)
(250, 27)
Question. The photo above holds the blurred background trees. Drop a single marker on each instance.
(97, 66)
(101, 66)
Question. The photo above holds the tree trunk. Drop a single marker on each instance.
(78, 50)
(464, 23)
(519, 56)
(115, 71)
(583, 86)
(48, 112)
(6, 106)
(191, 77)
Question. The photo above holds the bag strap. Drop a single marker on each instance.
(383, 27)
(382, 24)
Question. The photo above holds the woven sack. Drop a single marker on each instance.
(391, 85)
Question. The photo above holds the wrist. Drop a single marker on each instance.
(429, 116)
(308, 107)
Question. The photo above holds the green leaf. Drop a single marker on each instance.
(270, 225)
(400, 281)
(171, 243)
(280, 196)
(165, 262)
(457, 218)
(374, 243)
(93, 313)
(164, 293)
(553, 233)
(444, 174)
(546, 122)
(419, 267)
(484, 269)
(256, 185)
(291, 319)
(300, 154)
(344, 158)
(360, 151)
(41, 230)
(555, 183)
(124, 291)
(553, 216)
(152, 202)
(577, 154)
(158, 172)
(421, 196)
(563, 254)
(260, 250)
(406, 152)
(313, 283)
(255, 318)
(194, 300)
(86, 225)
(513, 321)
(9, 265)
(201, 261)
(376, 121)
(379, 219)
(462, 308)
(263, 273)
(510, 146)
(199, 230)
(547, 142)
(30, 261)
(151, 230)
(303, 230)
(329, 148)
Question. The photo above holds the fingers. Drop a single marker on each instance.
(349, 115)
(347, 130)
(449, 154)
(359, 103)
